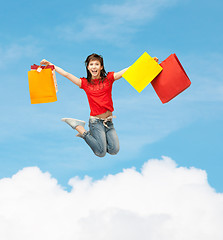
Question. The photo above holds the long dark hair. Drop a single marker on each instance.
(99, 58)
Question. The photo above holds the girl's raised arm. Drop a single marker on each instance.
(118, 75)
(59, 70)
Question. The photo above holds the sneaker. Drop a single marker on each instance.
(73, 122)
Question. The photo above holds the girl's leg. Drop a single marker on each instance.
(112, 139)
(100, 138)
(96, 137)
(75, 123)
(80, 129)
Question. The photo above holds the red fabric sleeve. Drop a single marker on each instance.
(83, 80)
(110, 76)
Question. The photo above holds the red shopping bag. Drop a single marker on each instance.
(172, 80)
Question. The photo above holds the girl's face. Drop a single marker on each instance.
(95, 68)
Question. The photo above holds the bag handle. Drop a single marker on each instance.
(39, 69)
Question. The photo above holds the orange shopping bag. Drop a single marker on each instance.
(41, 86)
(35, 67)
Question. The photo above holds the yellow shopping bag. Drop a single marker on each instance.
(142, 72)
(41, 86)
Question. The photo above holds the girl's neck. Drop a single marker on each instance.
(95, 78)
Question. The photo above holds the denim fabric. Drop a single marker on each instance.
(100, 138)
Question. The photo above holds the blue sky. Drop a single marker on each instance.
(188, 129)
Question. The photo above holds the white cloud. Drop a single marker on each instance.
(17, 50)
(113, 22)
(206, 76)
(162, 201)
(135, 10)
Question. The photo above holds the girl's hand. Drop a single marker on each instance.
(156, 59)
(45, 62)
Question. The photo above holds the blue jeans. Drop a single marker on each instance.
(100, 138)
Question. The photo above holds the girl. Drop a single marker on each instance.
(101, 136)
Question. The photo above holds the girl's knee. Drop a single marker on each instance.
(114, 150)
(100, 154)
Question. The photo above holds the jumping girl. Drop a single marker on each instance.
(101, 136)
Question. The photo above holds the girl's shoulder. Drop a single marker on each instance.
(110, 76)
(83, 82)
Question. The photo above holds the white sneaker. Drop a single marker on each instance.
(73, 122)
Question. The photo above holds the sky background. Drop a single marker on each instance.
(188, 129)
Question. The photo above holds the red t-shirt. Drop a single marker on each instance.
(99, 94)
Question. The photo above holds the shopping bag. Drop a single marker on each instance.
(35, 67)
(41, 86)
(142, 72)
(172, 80)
